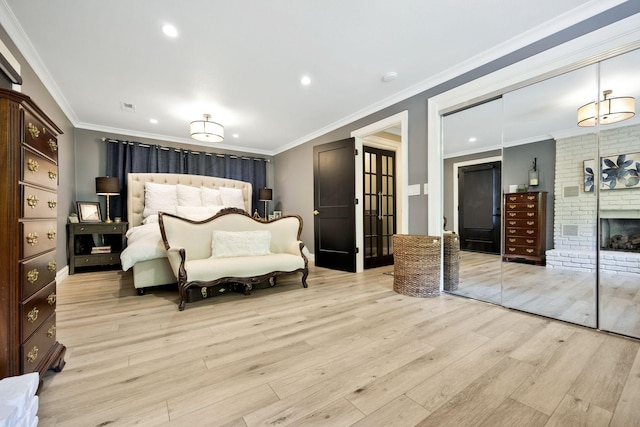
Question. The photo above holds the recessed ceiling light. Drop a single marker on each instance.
(305, 80)
(169, 30)
(472, 139)
(154, 121)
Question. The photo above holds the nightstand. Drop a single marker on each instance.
(96, 244)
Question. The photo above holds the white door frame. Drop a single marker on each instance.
(402, 173)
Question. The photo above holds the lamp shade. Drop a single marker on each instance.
(265, 194)
(107, 186)
(206, 130)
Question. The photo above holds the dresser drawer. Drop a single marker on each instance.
(39, 170)
(96, 259)
(37, 203)
(100, 228)
(37, 309)
(521, 197)
(37, 237)
(36, 273)
(527, 206)
(521, 223)
(525, 232)
(39, 137)
(521, 241)
(521, 214)
(38, 345)
(520, 250)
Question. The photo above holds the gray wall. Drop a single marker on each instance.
(33, 87)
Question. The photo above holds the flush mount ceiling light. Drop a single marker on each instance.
(207, 131)
(612, 110)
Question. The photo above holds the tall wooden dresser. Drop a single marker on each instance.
(28, 238)
(525, 229)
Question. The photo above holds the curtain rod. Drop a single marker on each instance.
(177, 150)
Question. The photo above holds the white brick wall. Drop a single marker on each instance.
(579, 253)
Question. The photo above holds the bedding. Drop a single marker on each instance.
(197, 197)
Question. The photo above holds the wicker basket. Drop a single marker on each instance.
(451, 264)
(416, 267)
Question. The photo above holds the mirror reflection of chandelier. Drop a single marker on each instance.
(612, 110)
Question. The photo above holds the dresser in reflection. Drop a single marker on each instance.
(28, 238)
(525, 226)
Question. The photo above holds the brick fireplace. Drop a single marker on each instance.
(575, 235)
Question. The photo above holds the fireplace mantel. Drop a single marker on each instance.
(620, 213)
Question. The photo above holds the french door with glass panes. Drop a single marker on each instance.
(379, 207)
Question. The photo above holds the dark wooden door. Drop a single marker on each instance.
(334, 201)
(379, 206)
(479, 204)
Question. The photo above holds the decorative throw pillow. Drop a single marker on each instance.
(210, 197)
(197, 213)
(232, 197)
(188, 196)
(226, 244)
(159, 197)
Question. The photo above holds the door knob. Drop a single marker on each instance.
(316, 212)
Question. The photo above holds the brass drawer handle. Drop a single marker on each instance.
(32, 165)
(531, 197)
(531, 231)
(530, 251)
(53, 145)
(530, 222)
(512, 240)
(512, 206)
(32, 276)
(512, 214)
(32, 316)
(512, 231)
(531, 206)
(51, 235)
(53, 175)
(531, 213)
(32, 355)
(530, 241)
(52, 331)
(512, 223)
(512, 249)
(52, 266)
(513, 198)
(52, 204)
(32, 238)
(33, 130)
(32, 201)
(51, 299)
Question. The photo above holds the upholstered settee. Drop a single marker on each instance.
(232, 247)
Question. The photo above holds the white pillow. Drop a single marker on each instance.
(232, 197)
(226, 244)
(188, 196)
(210, 197)
(197, 213)
(159, 197)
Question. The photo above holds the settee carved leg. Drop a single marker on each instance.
(181, 305)
(305, 273)
(247, 289)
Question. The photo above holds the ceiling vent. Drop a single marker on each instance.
(128, 107)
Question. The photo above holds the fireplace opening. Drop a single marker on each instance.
(620, 234)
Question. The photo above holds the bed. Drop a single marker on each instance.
(145, 252)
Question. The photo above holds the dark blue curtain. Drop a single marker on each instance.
(124, 157)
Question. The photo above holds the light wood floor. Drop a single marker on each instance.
(347, 351)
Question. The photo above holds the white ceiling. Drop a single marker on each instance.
(543, 110)
(241, 61)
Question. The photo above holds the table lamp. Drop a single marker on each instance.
(107, 186)
(265, 195)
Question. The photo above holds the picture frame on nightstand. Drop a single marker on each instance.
(89, 211)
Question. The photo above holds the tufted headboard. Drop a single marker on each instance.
(135, 189)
